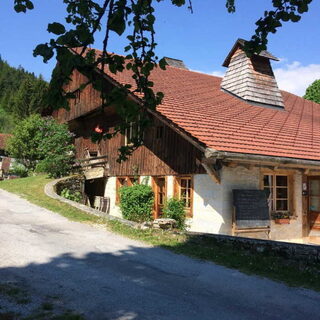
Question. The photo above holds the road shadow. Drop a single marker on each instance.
(150, 283)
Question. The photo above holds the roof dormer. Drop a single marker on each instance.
(251, 79)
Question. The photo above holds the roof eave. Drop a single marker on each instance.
(262, 159)
(240, 43)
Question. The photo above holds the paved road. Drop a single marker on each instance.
(106, 276)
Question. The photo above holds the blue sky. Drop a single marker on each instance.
(201, 39)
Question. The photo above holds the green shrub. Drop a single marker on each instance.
(57, 165)
(19, 170)
(74, 196)
(43, 145)
(174, 209)
(136, 202)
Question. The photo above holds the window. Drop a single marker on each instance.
(124, 181)
(277, 189)
(131, 133)
(184, 192)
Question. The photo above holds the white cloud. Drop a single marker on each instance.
(217, 73)
(295, 77)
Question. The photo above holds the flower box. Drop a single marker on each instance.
(282, 221)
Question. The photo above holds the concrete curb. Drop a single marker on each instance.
(50, 191)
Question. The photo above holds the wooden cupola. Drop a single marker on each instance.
(251, 79)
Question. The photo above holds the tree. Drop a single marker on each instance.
(86, 17)
(42, 144)
(21, 94)
(313, 92)
(29, 98)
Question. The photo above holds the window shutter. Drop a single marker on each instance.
(291, 195)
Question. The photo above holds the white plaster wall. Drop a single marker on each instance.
(110, 191)
(207, 205)
(212, 206)
(170, 180)
(212, 203)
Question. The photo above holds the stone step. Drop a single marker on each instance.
(313, 240)
(314, 233)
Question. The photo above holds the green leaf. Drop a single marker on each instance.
(20, 8)
(29, 5)
(43, 50)
(117, 22)
(56, 28)
(163, 63)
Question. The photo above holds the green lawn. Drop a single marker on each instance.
(277, 268)
(32, 189)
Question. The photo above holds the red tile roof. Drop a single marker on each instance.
(3, 139)
(195, 103)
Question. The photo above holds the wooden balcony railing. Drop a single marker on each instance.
(93, 162)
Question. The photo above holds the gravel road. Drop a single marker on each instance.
(106, 276)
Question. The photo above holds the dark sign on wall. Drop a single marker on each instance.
(251, 208)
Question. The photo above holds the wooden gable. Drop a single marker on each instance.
(164, 151)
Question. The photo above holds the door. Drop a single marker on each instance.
(160, 191)
(314, 202)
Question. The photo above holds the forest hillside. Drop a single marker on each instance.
(21, 94)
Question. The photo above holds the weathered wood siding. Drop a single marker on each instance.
(87, 100)
(168, 155)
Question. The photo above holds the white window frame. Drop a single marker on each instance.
(273, 188)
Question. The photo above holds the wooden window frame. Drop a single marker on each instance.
(290, 188)
(129, 133)
(119, 184)
(154, 189)
(177, 192)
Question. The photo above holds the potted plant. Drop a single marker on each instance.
(281, 217)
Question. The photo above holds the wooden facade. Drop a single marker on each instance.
(164, 151)
(86, 101)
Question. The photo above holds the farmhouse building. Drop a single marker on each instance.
(210, 136)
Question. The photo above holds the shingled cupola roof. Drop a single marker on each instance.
(175, 63)
(251, 79)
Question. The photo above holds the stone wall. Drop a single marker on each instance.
(294, 251)
(74, 184)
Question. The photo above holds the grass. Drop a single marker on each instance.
(32, 189)
(262, 264)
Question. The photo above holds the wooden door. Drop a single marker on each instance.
(314, 202)
(160, 192)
